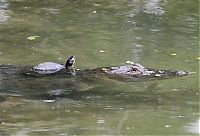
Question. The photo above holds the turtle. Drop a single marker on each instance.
(52, 67)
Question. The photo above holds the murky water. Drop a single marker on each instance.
(161, 34)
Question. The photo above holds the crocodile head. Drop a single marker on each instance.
(137, 72)
(125, 71)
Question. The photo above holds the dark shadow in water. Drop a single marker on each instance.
(2, 99)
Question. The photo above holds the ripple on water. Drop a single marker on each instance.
(3, 12)
(153, 7)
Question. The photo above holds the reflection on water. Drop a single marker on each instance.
(100, 33)
(3, 11)
(33, 108)
(153, 7)
(193, 127)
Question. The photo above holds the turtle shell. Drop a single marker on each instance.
(48, 68)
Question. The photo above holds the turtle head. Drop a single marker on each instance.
(70, 62)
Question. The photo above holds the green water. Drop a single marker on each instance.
(103, 33)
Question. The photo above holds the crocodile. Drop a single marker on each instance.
(130, 72)
(24, 80)
(133, 72)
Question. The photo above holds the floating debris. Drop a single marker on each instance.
(173, 54)
(198, 58)
(175, 89)
(67, 111)
(128, 128)
(88, 97)
(97, 5)
(100, 121)
(130, 62)
(108, 106)
(77, 112)
(94, 11)
(63, 134)
(192, 72)
(49, 101)
(167, 126)
(195, 113)
(156, 51)
(189, 61)
(138, 45)
(102, 51)
(31, 38)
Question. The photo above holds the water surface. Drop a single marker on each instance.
(101, 33)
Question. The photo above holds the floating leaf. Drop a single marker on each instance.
(31, 38)
(173, 54)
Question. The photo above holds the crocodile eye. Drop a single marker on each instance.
(134, 69)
